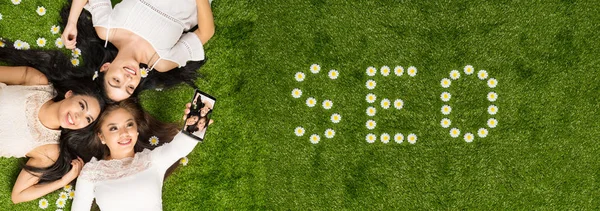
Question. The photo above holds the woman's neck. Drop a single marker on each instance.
(119, 156)
(48, 115)
(125, 40)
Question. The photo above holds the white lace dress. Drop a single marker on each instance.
(131, 183)
(20, 128)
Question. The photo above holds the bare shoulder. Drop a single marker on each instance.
(44, 155)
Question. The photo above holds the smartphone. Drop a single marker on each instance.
(196, 122)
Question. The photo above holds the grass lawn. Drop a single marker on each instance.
(543, 154)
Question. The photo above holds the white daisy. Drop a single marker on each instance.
(41, 11)
(492, 83)
(385, 138)
(71, 194)
(412, 71)
(492, 109)
(76, 52)
(60, 203)
(26, 46)
(492, 96)
(445, 82)
(482, 74)
(445, 122)
(184, 161)
(299, 131)
(327, 104)
(314, 138)
(315, 68)
(144, 72)
(454, 132)
(371, 71)
(96, 76)
(385, 103)
(59, 43)
(446, 109)
(371, 98)
(15, 2)
(445, 96)
(398, 104)
(55, 29)
(371, 111)
(2, 44)
(469, 70)
(18, 44)
(311, 102)
(399, 138)
(43, 203)
(336, 118)
(454, 74)
(153, 140)
(75, 62)
(0, 16)
(492, 123)
(482, 132)
(68, 187)
(63, 195)
(333, 74)
(296, 93)
(41, 42)
(329, 133)
(300, 76)
(371, 84)
(469, 137)
(371, 138)
(385, 70)
(399, 70)
(412, 138)
(157, 89)
(371, 124)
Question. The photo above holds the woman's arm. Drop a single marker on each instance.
(69, 35)
(206, 24)
(22, 75)
(84, 195)
(164, 156)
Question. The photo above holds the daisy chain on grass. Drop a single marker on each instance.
(43, 203)
(60, 203)
(327, 104)
(399, 70)
(41, 41)
(371, 111)
(300, 76)
(96, 76)
(311, 102)
(336, 118)
(412, 71)
(454, 132)
(469, 70)
(385, 138)
(329, 133)
(371, 71)
(385, 70)
(371, 98)
(371, 124)
(371, 84)
(153, 140)
(412, 138)
(55, 29)
(398, 104)
(469, 137)
(492, 96)
(399, 138)
(482, 132)
(445, 122)
(63, 195)
(68, 188)
(492, 123)
(315, 68)
(296, 93)
(454, 74)
(333, 74)
(314, 138)
(445, 96)
(371, 138)
(482, 74)
(41, 11)
(71, 194)
(76, 52)
(445, 82)
(15, 2)
(75, 62)
(492, 83)
(299, 131)
(385, 103)
(59, 43)
(446, 109)
(184, 161)
(492, 109)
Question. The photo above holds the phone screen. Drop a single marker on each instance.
(196, 122)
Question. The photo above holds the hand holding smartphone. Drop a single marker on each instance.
(197, 121)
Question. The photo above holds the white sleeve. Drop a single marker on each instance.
(100, 10)
(84, 195)
(164, 156)
(188, 48)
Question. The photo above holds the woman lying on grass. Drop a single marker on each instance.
(32, 114)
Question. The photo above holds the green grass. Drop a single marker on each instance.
(542, 155)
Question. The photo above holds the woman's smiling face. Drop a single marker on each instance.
(119, 132)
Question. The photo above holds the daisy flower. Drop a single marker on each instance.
(15, 2)
(184, 161)
(153, 140)
(63, 195)
(482, 132)
(385, 103)
(412, 71)
(19, 44)
(371, 84)
(371, 124)
(371, 98)
(399, 70)
(454, 132)
(454, 74)
(329, 133)
(299, 131)
(445, 96)
(0, 16)
(412, 138)
(296, 93)
(336, 118)
(300, 76)
(371, 111)
(71, 194)
(76, 52)
(314, 138)
(385, 138)
(445, 122)
(75, 62)
(371, 71)
(26, 46)
(492, 109)
(333, 74)
(43, 203)
(41, 11)
(311, 102)
(327, 104)
(60, 203)
(55, 29)
(59, 43)
(315, 68)
(2, 44)
(492, 83)
(446, 109)
(469, 137)
(96, 76)
(144, 72)
(371, 138)
(157, 89)
(469, 70)
(385, 70)
(41, 41)
(399, 138)
(492, 96)
(68, 187)
(492, 123)
(445, 82)
(398, 104)
(482, 74)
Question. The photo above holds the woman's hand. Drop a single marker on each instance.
(74, 172)
(69, 35)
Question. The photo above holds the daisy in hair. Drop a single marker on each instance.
(153, 140)
(144, 72)
(76, 52)
(75, 62)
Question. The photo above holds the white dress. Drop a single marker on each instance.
(160, 22)
(131, 183)
(20, 128)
